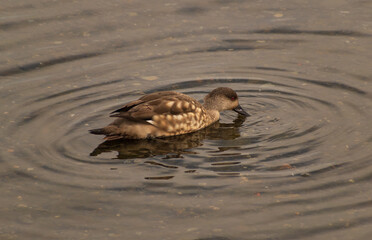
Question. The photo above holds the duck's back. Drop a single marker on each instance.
(167, 102)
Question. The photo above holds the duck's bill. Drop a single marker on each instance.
(241, 111)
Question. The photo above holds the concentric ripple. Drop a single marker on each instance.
(290, 133)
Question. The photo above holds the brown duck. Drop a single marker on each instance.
(168, 113)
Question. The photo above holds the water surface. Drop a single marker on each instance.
(298, 168)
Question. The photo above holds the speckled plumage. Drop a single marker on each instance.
(168, 113)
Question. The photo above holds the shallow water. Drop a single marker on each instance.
(298, 168)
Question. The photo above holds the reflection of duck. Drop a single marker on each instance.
(143, 148)
(169, 113)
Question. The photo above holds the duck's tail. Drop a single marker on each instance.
(98, 131)
(110, 134)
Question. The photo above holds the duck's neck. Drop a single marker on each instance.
(212, 107)
(214, 115)
(211, 110)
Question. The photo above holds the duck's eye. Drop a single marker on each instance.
(233, 98)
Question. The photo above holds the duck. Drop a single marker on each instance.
(168, 113)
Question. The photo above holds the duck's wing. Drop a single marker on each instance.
(160, 103)
(141, 100)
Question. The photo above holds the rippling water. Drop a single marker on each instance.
(298, 168)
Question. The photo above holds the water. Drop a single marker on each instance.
(298, 168)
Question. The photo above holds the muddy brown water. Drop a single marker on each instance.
(298, 168)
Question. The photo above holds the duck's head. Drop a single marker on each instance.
(223, 98)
